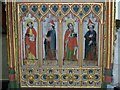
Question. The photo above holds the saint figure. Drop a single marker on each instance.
(30, 41)
(50, 42)
(90, 42)
(70, 43)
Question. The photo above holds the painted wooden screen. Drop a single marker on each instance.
(60, 44)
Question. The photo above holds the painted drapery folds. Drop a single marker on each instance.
(61, 44)
(29, 38)
(91, 45)
(70, 48)
(50, 42)
(30, 41)
(90, 42)
(70, 40)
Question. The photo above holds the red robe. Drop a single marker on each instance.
(72, 42)
(31, 44)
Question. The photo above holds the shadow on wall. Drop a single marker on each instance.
(4, 52)
(4, 29)
(117, 24)
(3, 49)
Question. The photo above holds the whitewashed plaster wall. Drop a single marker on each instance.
(116, 63)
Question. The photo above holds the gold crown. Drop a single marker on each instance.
(70, 21)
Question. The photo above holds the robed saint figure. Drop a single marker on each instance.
(30, 41)
(50, 42)
(70, 43)
(90, 42)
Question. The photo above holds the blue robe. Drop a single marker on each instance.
(90, 50)
(50, 47)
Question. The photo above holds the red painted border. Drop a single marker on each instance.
(107, 22)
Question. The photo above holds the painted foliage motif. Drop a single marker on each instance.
(49, 32)
(60, 38)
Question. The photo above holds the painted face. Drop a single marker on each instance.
(71, 27)
(91, 28)
(30, 24)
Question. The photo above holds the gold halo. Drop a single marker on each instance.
(70, 21)
(28, 21)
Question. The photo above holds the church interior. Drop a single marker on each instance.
(112, 77)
